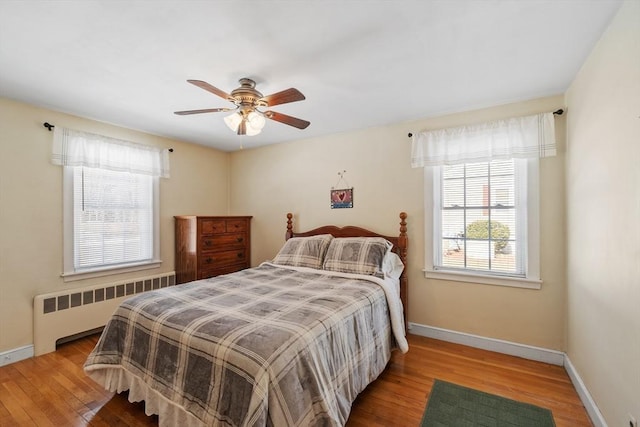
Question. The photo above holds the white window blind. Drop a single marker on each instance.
(113, 218)
(478, 218)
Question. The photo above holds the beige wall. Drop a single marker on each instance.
(296, 177)
(603, 193)
(31, 207)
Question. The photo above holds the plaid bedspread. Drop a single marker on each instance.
(268, 346)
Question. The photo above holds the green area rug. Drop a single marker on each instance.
(453, 405)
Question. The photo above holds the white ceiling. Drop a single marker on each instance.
(360, 64)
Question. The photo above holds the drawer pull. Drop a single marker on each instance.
(209, 260)
(208, 242)
(240, 255)
(239, 239)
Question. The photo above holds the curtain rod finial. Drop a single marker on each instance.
(48, 126)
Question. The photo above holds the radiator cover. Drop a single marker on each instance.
(72, 311)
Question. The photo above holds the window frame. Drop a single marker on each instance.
(530, 232)
(69, 271)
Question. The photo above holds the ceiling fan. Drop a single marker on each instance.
(248, 117)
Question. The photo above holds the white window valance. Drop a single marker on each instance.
(518, 137)
(75, 148)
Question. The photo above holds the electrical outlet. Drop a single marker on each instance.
(632, 421)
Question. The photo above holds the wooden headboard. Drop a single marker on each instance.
(400, 244)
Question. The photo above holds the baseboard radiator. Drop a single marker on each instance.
(69, 312)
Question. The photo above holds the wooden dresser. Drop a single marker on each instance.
(208, 246)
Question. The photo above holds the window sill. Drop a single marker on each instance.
(72, 276)
(514, 282)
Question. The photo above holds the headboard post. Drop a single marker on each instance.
(403, 242)
(402, 238)
(289, 233)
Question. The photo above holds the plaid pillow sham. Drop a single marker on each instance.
(304, 251)
(360, 255)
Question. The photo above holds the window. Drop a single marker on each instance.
(477, 218)
(111, 203)
(484, 223)
(481, 199)
(113, 218)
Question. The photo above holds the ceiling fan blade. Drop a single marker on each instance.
(206, 110)
(287, 120)
(283, 97)
(206, 86)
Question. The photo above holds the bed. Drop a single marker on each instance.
(288, 343)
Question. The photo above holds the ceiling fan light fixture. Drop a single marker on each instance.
(256, 120)
(250, 130)
(233, 121)
(253, 122)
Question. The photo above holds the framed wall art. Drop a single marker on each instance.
(342, 198)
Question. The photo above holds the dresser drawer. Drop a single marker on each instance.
(221, 259)
(213, 226)
(234, 225)
(223, 242)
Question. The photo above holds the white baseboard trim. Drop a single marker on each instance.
(553, 357)
(506, 347)
(592, 409)
(15, 355)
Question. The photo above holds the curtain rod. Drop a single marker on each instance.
(558, 112)
(50, 126)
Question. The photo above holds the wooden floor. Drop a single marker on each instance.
(52, 390)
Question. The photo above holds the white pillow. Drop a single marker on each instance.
(392, 265)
